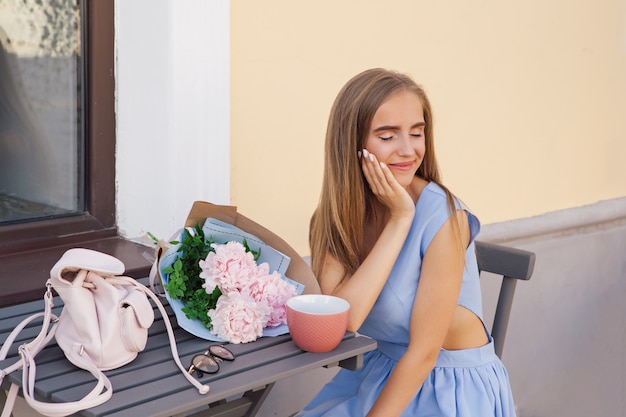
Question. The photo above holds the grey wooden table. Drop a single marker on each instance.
(153, 386)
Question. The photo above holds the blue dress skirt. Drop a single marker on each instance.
(467, 383)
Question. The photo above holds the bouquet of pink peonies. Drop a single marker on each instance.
(252, 297)
(226, 285)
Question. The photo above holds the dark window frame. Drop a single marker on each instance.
(29, 249)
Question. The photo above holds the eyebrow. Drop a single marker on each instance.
(384, 128)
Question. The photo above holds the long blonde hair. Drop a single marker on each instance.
(346, 200)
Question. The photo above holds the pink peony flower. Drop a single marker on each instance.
(230, 267)
(273, 292)
(263, 270)
(252, 297)
(238, 318)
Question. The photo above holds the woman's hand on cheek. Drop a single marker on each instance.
(385, 186)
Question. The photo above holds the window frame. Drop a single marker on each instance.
(99, 219)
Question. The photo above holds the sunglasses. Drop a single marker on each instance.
(208, 362)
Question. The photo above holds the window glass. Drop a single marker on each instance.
(41, 130)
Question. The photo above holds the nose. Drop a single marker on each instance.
(404, 145)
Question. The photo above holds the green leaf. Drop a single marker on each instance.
(155, 240)
(255, 253)
(184, 273)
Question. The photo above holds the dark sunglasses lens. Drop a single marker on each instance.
(221, 352)
(205, 363)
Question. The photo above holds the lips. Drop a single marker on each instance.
(404, 166)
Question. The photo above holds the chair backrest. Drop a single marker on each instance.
(511, 264)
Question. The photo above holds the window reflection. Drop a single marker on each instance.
(41, 139)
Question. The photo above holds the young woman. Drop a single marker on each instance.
(388, 237)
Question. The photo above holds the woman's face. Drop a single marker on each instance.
(396, 135)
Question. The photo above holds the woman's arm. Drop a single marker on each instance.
(362, 288)
(435, 303)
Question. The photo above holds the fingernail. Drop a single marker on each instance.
(358, 153)
(366, 153)
(372, 157)
(382, 165)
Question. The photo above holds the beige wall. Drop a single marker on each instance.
(529, 98)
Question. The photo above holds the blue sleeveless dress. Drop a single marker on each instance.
(464, 383)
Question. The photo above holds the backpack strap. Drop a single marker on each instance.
(202, 388)
(35, 346)
(98, 395)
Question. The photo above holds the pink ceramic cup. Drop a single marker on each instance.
(317, 322)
